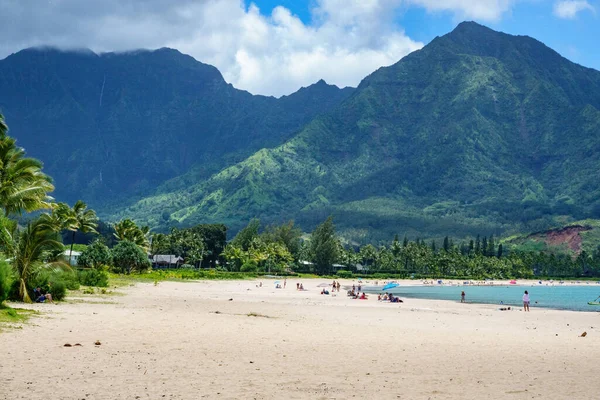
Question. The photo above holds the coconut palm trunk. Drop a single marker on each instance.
(71, 250)
(23, 294)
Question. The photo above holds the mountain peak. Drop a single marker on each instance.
(52, 51)
(470, 26)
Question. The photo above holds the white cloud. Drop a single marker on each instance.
(569, 9)
(274, 54)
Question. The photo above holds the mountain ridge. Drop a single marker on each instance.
(113, 127)
(476, 132)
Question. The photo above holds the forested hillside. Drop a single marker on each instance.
(478, 132)
(112, 127)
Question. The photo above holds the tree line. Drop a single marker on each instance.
(31, 254)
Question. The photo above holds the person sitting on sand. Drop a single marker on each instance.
(363, 296)
(301, 287)
(297, 286)
(278, 286)
(378, 297)
(44, 298)
(324, 291)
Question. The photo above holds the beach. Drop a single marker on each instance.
(235, 340)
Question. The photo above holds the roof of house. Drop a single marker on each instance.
(168, 258)
(74, 253)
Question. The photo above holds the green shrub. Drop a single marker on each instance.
(93, 277)
(58, 289)
(7, 279)
(344, 274)
(128, 257)
(187, 266)
(249, 267)
(95, 255)
(54, 282)
(70, 278)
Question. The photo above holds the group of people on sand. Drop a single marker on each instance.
(299, 286)
(357, 295)
(42, 297)
(389, 297)
(335, 287)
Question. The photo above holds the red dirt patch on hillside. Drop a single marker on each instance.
(569, 236)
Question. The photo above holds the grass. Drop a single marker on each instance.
(90, 290)
(14, 317)
(179, 275)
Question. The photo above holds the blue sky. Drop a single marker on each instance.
(274, 47)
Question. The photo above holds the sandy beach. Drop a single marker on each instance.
(234, 340)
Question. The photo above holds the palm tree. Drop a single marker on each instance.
(78, 218)
(127, 230)
(28, 248)
(23, 185)
(3, 127)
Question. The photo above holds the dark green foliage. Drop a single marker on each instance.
(96, 255)
(58, 289)
(93, 277)
(244, 238)
(70, 279)
(141, 118)
(56, 282)
(477, 132)
(214, 237)
(200, 245)
(324, 247)
(287, 234)
(128, 257)
(7, 279)
(344, 274)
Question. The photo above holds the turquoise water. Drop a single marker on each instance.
(558, 297)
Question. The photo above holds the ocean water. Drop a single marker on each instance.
(563, 297)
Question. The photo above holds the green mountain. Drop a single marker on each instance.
(478, 132)
(112, 127)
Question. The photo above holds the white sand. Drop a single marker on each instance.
(166, 341)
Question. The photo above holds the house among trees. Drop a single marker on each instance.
(70, 257)
(166, 261)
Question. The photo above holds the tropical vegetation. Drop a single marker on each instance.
(459, 147)
(478, 132)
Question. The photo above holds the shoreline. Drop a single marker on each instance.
(178, 339)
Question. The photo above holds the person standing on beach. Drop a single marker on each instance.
(526, 301)
(284, 283)
(462, 297)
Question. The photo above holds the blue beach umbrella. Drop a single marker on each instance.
(390, 286)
